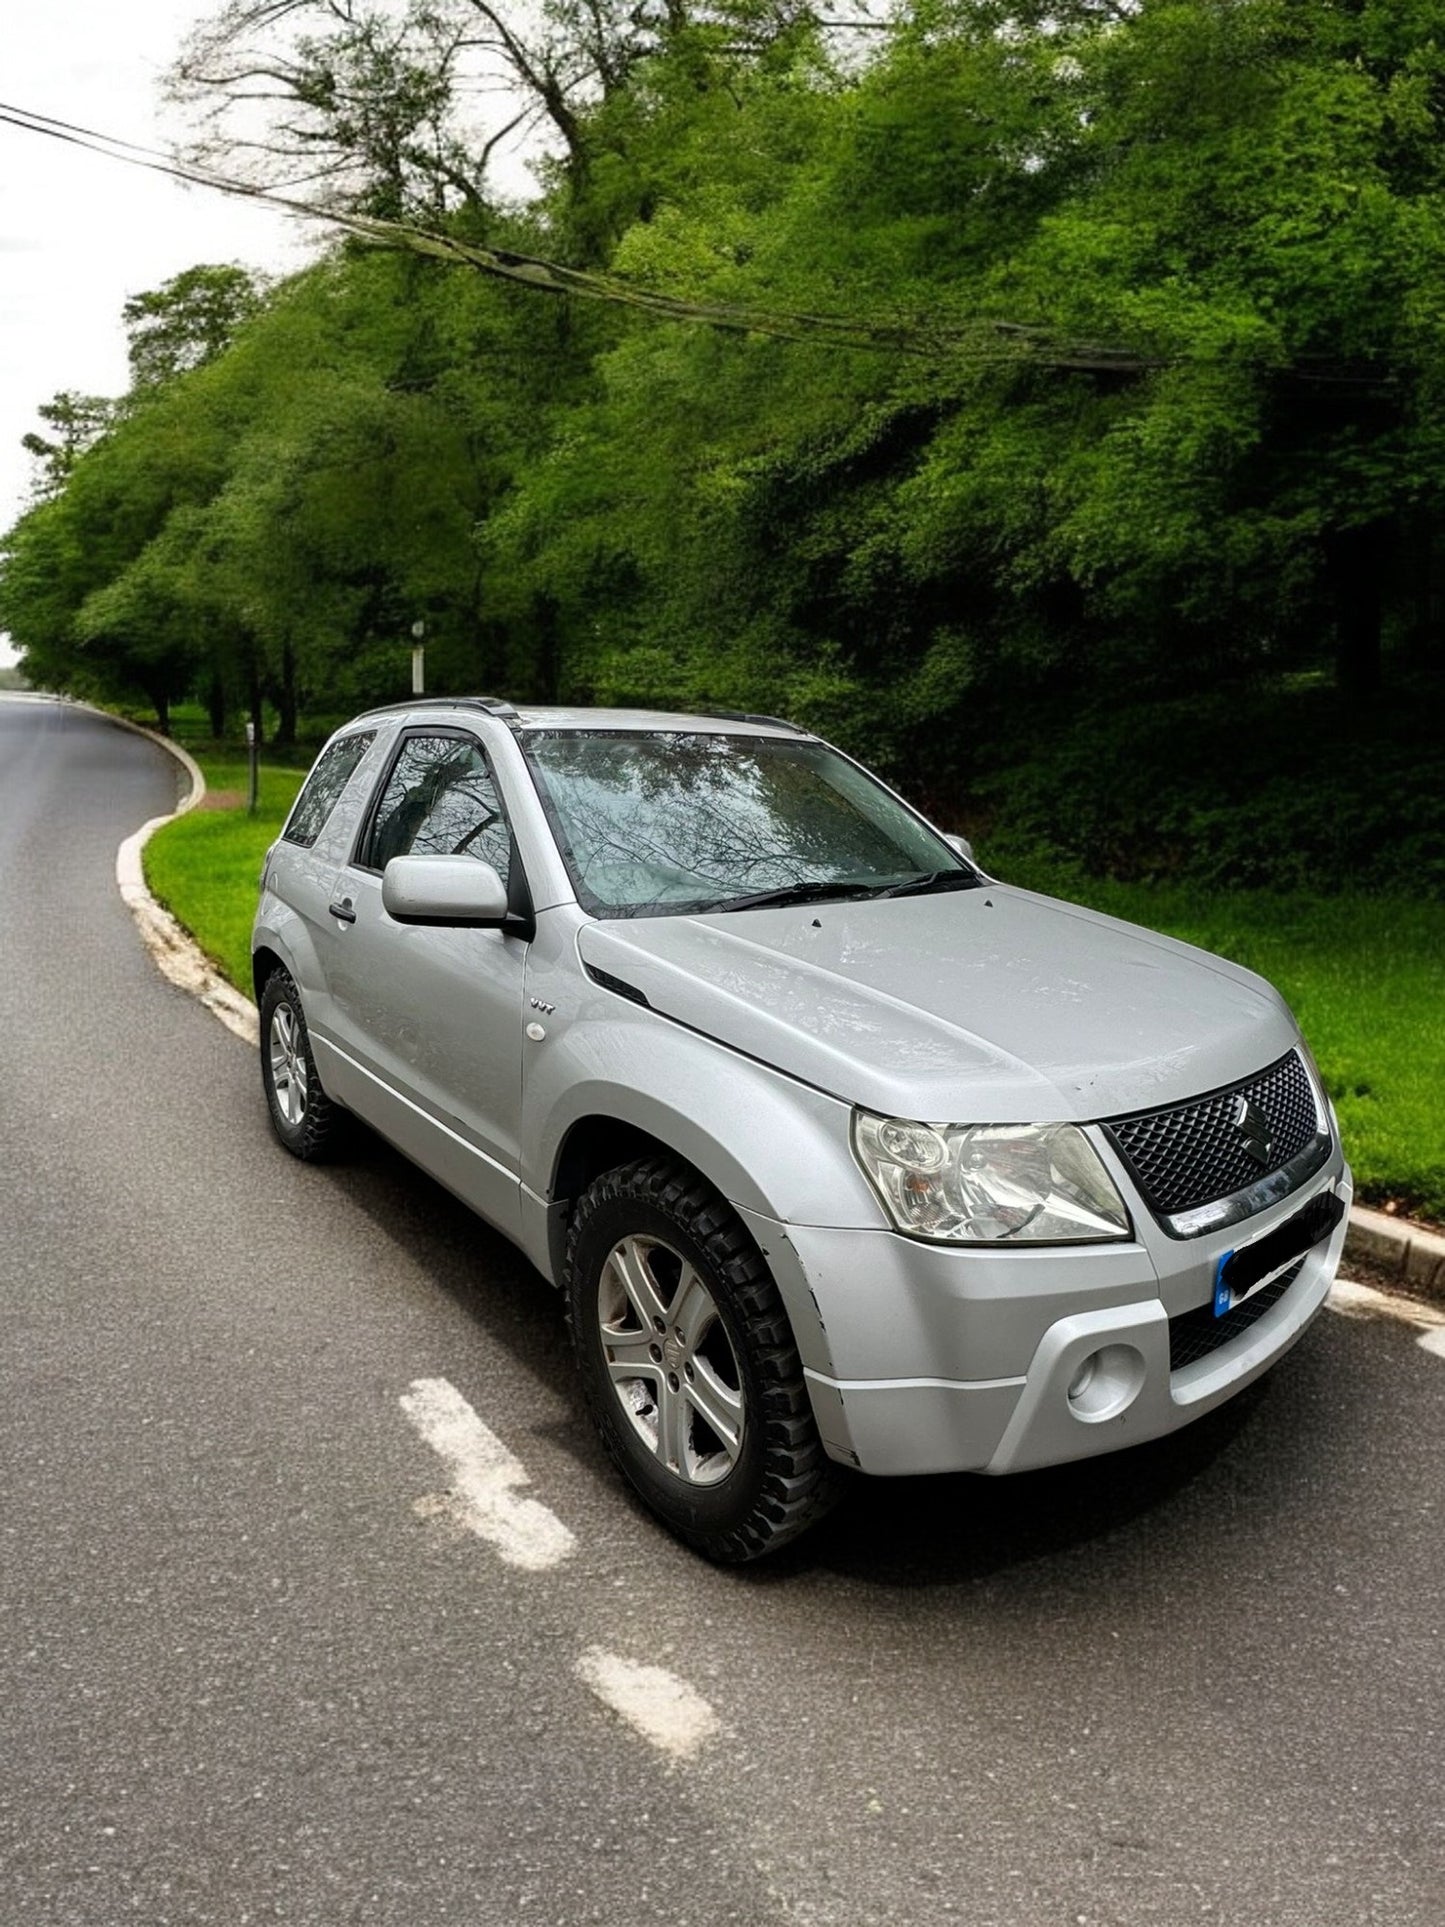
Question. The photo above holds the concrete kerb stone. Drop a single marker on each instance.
(177, 955)
(1392, 1246)
(1399, 1250)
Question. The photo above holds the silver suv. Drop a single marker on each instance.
(844, 1153)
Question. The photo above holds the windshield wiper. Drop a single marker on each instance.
(818, 892)
(824, 892)
(935, 880)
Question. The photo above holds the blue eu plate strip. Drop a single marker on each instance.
(1223, 1299)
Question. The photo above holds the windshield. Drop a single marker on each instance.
(657, 824)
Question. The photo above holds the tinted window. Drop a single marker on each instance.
(440, 800)
(322, 789)
(682, 822)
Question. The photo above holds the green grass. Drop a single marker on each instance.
(206, 866)
(1364, 974)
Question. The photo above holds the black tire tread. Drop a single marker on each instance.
(800, 1483)
(322, 1126)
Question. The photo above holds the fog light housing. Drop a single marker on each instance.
(1106, 1383)
(1083, 1378)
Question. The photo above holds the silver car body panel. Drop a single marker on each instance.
(479, 1053)
(990, 1005)
(432, 1017)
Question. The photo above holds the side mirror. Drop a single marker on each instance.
(444, 890)
(962, 845)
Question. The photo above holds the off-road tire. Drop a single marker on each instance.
(781, 1481)
(302, 1115)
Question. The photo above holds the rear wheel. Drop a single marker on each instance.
(689, 1365)
(302, 1115)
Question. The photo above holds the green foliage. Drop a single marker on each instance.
(1276, 787)
(75, 422)
(1156, 406)
(188, 322)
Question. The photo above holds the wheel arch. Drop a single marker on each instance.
(594, 1143)
(777, 1153)
(264, 963)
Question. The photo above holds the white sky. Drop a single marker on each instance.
(78, 233)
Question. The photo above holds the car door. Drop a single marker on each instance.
(431, 1016)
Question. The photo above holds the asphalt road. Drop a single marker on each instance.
(252, 1671)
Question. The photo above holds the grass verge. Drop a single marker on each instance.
(1364, 974)
(206, 866)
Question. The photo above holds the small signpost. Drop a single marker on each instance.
(418, 659)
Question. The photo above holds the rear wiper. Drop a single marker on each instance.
(935, 880)
(795, 893)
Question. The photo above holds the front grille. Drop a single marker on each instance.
(1194, 1154)
(1195, 1334)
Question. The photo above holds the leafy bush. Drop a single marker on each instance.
(1269, 789)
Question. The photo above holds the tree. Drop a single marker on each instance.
(76, 422)
(403, 107)
(190, 320)
(1102, 352)
(374, 104)
(1176, 412)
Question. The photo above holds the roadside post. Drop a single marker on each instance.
(253, 757)
(418, 659)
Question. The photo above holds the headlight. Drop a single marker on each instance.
(990, 1183)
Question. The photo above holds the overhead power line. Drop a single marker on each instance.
(532, 271)
(987, 341)
(983, 341)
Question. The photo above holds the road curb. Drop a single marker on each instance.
(177, 954)
(1405, 1253)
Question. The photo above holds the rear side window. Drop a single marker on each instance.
(322, 789)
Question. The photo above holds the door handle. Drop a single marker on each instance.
(342, 911)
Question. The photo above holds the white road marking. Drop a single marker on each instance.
(1363, 1301)
(655, 1703)
(485, 1475)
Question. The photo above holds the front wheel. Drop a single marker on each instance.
(689, 1365)
(302, 1115)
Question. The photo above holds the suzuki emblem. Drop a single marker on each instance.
(1253, 1128)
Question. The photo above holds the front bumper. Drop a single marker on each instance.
(930, 1359)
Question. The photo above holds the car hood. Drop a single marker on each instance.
(991, 1005)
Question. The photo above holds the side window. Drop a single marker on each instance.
(321, 791)
(439, 800)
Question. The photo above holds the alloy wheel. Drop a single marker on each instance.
(670, 1361)
(288, 1065)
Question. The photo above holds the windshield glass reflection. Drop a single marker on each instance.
(657, 824)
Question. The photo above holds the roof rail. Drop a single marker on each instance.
(748, 716)
(493, 705)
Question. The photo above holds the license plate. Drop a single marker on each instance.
(1243, 1271)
